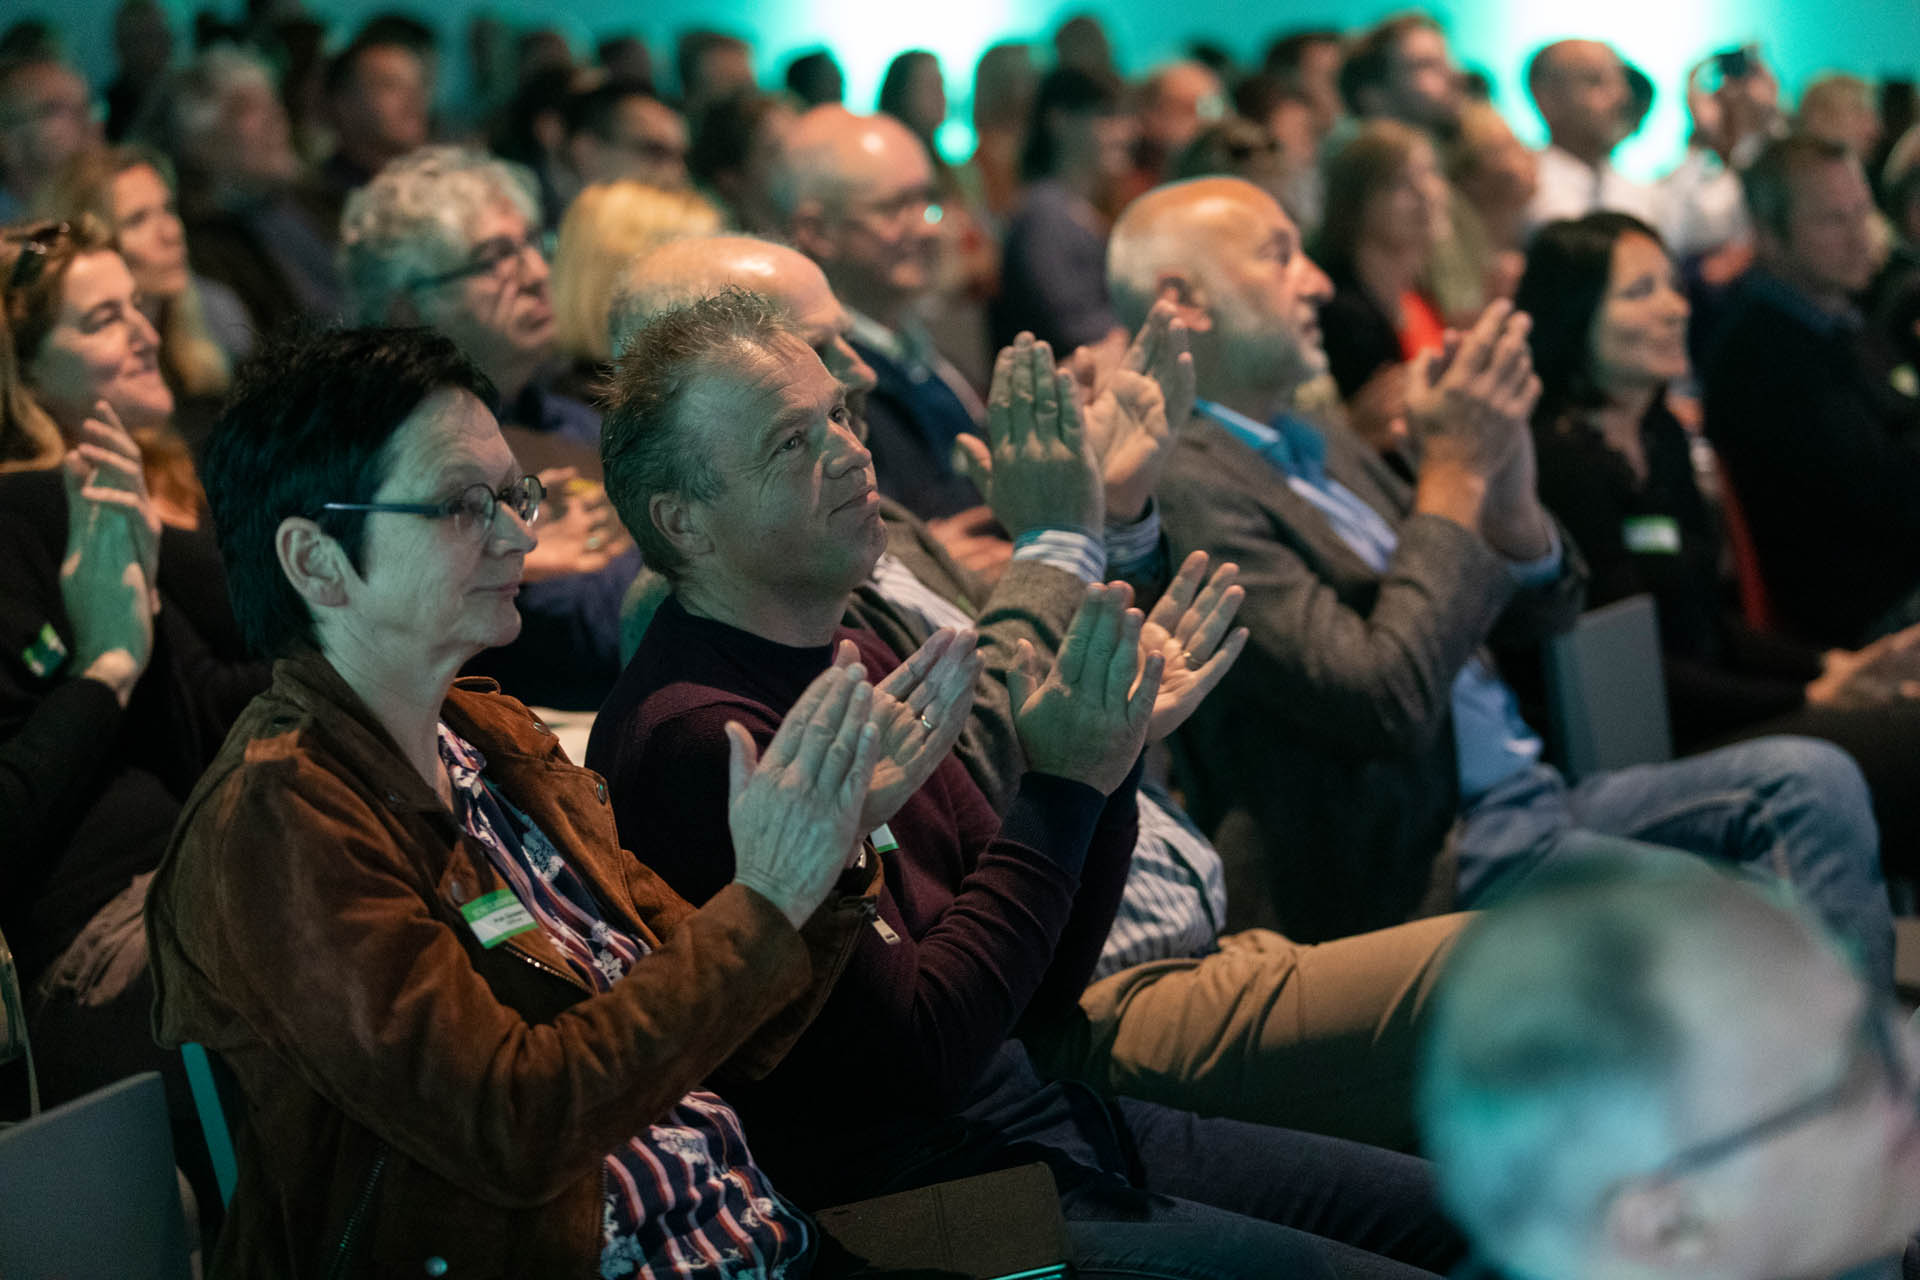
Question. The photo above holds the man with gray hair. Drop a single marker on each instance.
(449, 238)
(253, 220)
(1247, 1025)
(1646, 1068)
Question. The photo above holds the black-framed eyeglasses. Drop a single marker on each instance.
(36, 246)
(1876, 1061)
(489, 256)
(471, 510)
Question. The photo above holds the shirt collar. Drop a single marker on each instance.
(909, 345)
(1290, 442)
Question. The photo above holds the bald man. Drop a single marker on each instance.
(1642, 1069)
(857, 195)
(1364, 762)
(1580, 89)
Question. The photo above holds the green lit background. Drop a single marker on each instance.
(1801, 38)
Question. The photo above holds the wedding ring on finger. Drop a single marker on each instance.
(594, 541)
(926, 723)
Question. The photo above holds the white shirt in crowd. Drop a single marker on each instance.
(1568, 188)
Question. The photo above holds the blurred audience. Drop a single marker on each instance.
(1081, 43)
(1004, 82)
(815, 79)
(735, 157)
(46, 118)
(609, 225)
(1075, 163)
(142, 51)
(1386, 205)
(1496, 175)
(1308, 63)
(1176, 102)
(449, 239)
(1579, 87)
(1840, 109)
(708, 66)
(620, 132)
(253, 223)
(378, 94)
(1817, 450)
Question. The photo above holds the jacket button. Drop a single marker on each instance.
(600, 789)
(436, 1266)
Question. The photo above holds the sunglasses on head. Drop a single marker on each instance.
(36, 246)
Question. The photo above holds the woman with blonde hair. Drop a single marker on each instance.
(202, 326)
(607, 226)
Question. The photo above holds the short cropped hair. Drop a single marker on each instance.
(1770, 179)
(1369, 61)
(1555, 1055)
(417, 218)
(312, 421)
(645, 444)
(595, 110)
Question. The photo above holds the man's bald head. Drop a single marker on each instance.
(857, 196)
(1580, 90)
(1231, 259)
(685, 271)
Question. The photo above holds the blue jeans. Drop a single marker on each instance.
(1207, 1195)
(1793, 808)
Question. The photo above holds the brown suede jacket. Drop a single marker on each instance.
(417, 1104)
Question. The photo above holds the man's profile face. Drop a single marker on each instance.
(502, 317)
(1838, 1189)
(1263, 293)
(798, 508)
(884, 238)
(648, 144)
(1424, 83)
(1829, 245)
(387, 102)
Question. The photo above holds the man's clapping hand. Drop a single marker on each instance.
(1086, 718)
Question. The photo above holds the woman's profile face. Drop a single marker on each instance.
(147, 227)
(1405, 211)
(101, 347)
(1640, 330)
(439, 587)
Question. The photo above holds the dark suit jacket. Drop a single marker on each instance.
(1826, 464)
(912, 420)
(1324, 765)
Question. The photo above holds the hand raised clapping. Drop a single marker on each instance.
(1187, 628)
(1034, 465)
(1087, 717)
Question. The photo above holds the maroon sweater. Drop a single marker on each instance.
(980, 920)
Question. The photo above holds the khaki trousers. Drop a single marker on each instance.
(1320, 1038)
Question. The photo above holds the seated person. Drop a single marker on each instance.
(1386, 202)
(470, 1030)
(450, 239)
(102, 770)
(254, 223)
(1644, 1067)
(1608, 337)
(1825, 457)
(1248, 1024)
(908, 1074)
(1365, 763)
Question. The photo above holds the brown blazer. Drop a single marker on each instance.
(304, 925)
(1323, 766)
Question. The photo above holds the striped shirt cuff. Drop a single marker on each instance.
(1135, 545)
(1068, 549)
(1536, 573)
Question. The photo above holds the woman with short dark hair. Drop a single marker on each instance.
(470, 1029)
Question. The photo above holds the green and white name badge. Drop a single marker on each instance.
(495, 917)
(1651, 535)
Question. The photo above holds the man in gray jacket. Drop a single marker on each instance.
(1363, 763)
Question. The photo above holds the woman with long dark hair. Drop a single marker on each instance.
(1609, 336)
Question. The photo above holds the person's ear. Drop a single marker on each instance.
(1188, 298)
(1659, 1225)
(682, 523)
(313, 562)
